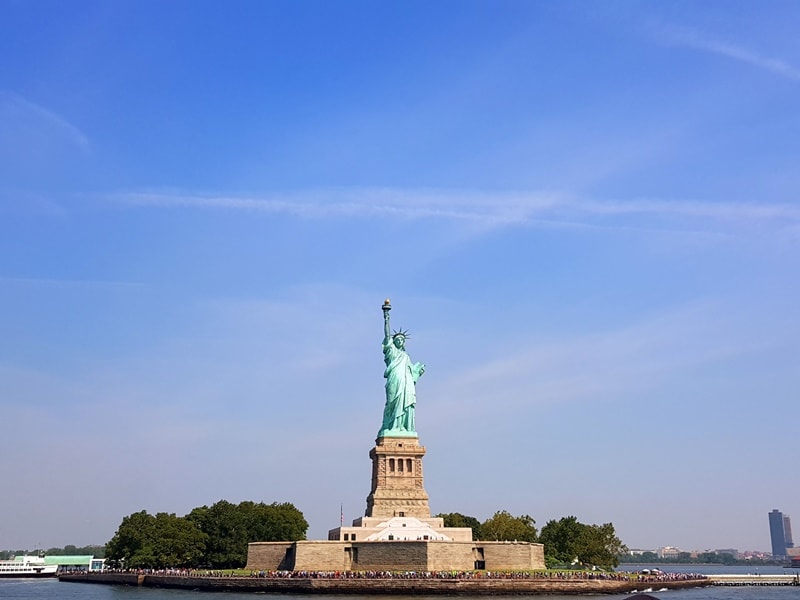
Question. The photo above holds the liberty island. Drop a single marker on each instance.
(397, 547)
(50, 589)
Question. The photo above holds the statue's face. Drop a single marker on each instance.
(399, 341)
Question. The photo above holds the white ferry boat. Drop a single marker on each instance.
(26, 566)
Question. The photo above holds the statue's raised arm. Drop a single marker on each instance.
(387, 332)
(401, 378)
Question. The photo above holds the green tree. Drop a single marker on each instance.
(274, 522)
(567, 541)
(459, 520)
(70, 550)
(649, 556)
(231, 527)
(94, 550)
(562, 540)
(602, 547)
(159, 541)
(226, 544)
(504, 526)
(130, 538)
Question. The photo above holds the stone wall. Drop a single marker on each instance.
(270, 556)
(393, 556)
(321, 556)
(390, 556)
(450, 556)
(513, 556)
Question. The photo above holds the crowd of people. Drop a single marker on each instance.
(548, 575)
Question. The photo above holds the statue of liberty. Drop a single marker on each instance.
(401, 378)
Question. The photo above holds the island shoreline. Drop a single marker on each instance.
(384, 586)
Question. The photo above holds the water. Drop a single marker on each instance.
(52, 589)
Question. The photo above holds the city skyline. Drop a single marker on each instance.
(586, 215)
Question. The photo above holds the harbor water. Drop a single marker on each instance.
(52, 589)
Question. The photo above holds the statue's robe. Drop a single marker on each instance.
(401, 376)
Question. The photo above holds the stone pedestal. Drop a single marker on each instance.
(397, 483)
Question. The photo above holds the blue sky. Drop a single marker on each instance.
(586, 213)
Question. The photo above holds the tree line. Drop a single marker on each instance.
(216, 537)
(567, 542)
(212, 537)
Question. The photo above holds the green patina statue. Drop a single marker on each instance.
(401, 378)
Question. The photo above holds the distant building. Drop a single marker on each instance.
(787, 532)
(76, 562)
(755, 555)
(777, 533)
(668, 552)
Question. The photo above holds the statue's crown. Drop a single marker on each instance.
(401, 333)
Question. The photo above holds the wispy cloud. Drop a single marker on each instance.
(485, 209)
(712, 210)
(13, 105)
(366, 203)
(690, 38)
